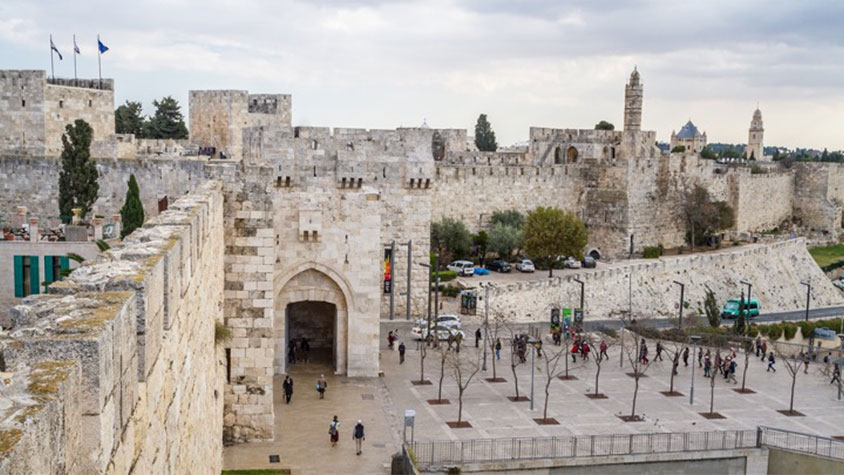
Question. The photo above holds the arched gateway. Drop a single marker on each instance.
(311, 304)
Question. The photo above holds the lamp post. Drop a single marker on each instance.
(682, 290)
(808, 295)
(695, 339)
(486, 321)
(629, 309)
(532, 368)
(582, 309)
(409, 257)
(428, 266)
(747, 303)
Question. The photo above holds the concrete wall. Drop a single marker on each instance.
(775, 271)
(136, 320)
(784, 462)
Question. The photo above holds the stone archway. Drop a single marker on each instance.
(571, 154)
(313, 305)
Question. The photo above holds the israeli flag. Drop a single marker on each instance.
(53, 47)
(76, 47)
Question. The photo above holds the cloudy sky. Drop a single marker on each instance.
(384, 64)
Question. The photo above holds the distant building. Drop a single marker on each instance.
(754, 149)
(689, 137)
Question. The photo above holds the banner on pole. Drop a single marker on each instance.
(388, 271)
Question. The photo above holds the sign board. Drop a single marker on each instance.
(388, 271)
(578, 315)
(409, 417)
(555, 319)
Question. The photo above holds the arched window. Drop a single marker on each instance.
(558, 156)
(571, 155)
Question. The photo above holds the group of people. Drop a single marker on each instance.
(725, 366)
(287, 386)
(358, 434)
(392, 337)
(298, 350)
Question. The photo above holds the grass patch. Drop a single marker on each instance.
(826, 255)
(267, 471)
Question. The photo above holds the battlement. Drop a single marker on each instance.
(126, 317)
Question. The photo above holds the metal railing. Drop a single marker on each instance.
(433, 453)
(800, 442)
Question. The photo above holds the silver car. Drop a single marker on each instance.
(525, 265)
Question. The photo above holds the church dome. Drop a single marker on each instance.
(688, 131)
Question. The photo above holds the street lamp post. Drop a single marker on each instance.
(682, 290)
(582, 309)
(428, 266)
(409, 257)
(695, 339)
(808, 295)
(486, 322)
(532, 368)
(747, 303)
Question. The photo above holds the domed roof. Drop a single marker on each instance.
(634, 76)
(757, 114)
(688, 131)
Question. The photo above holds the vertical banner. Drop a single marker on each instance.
(388, 271)
(555, 319)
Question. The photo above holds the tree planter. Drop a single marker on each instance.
(547, 422)
(567, 378)
(438, 402)
(629, 418)
(633, 375)
(788, 413)
(672, 393)
(518, 399)
(597, 396)
(744, 391)
(421, 383)
(459, 425)
(495, 380)
(712, 415)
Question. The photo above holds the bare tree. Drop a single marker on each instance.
(747, 343)
(598, 345)
(499, 321)
(464, 366)
(423, 352)
(640, 366)
(551, 357)
(785, 354)
(674, 350)
(515, 360)
(443, 351)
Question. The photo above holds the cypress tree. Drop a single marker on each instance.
(484, 135)
(132, 212)
(78, 185)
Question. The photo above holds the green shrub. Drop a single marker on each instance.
(652, 252)
(449, 290)
(222, 333)
(789, 329)
(806, 329)
(752, 331)
(775, 331)
(764, 329)
(445, 276)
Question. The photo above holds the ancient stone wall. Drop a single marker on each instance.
(22, 112)
(217, 119)
(138, 325)
(775, 270)
(34, 183)
(819, 197)
(65, 104)
(764, 201)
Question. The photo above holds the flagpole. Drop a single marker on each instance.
(74, 60)
(52, 69)
(100, 61)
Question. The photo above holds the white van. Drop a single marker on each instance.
(464, 268)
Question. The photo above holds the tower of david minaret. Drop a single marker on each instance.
(754, 137)
(633, 102)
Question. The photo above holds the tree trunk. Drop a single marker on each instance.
(492, 351)
(746, 364)
(459, 403)
(674, 366)
(547, 385)
(550, 267)
(597, 375)
(422, 355)
(793, 383)
(515, 380)
(712, 393)
(635, 393)
(567, 354)
(442, 376)
(691, 235)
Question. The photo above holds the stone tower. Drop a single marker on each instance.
(754, 137)
(633, 103)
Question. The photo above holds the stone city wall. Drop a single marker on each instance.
(764, 201)
(775, 270)
(34, 183)
(65, 104)
(819, 197)
(137, 325)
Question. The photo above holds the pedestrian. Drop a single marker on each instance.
(321, 386)
(686, 356)
(390, 340)
(805, 364)
(586, 351)
(358, 436)
(719, 363)
(707, 366)
(658, 351)
(574, 349)
(700, 357)
(732, 371)
(603, 348)
(498, 348)
(538, 346)
(291, 352)
(643, 352)
(836, 374)
(334, 431)
(764, 349)
(288, 389)
(477, 338)
(758, 345)
(771, 362)
(402, 349)
(306, 349)
(458, 339)
(726, 369)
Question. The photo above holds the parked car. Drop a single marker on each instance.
(464, 268)
(731, 308)
(499, 265)
(589, 262)
(441, 332)
(481, 271)
(571, 263)
(525, 265)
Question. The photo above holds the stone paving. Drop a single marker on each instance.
(301, 427)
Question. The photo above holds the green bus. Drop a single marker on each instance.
(731, 308)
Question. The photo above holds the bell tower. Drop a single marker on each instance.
(754, 147)
(633, 93)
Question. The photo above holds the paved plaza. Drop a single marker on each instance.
(301, 428)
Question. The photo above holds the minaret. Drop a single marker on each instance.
(633, 102)
(754, 137)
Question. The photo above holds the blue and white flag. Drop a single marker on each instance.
(75, 46)
(53, 47)
(103, 48)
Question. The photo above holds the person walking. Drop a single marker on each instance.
(771, 362)
(402, 349)
(358, 436)
(836, 374)
(291, 352)
(707, 366)
(732, 371)
(658, 351)
(334, 431)
(700, 357)
(478, 338)
(686, 356)
(764, 349)
(805, 364)
(288, 389)
(390, 339)
(758, 345)
(321, 386)
(603, 347)
(306, 349)
(457, 340)
(498, 348)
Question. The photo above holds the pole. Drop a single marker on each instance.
(486, 322)
(629, 312)
(428, 335)
(436, 296)
(532, 367)
(52, 69)
(682, 291)
(392, 286)
(74, 59)
(808, 295)
(409, 264)
(692, 390)
(100, 61)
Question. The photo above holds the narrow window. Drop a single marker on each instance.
(412, 182)
(90, 103)
(316, 237)
(307, 235)
(278, 182)
(314, 170)
(427, 182)
(384, 172)
(61, 104)
(287, 181)
(343, 183)
(360, 182)
(23, 102)
(228, 365)
(314, 144)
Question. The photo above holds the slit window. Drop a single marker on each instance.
(61, 104)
